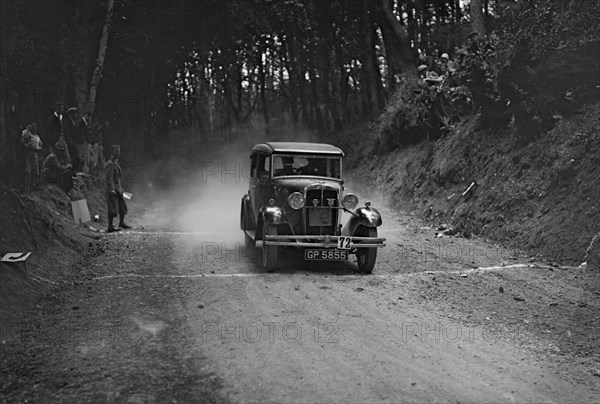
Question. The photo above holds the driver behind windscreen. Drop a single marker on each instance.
(288, 166)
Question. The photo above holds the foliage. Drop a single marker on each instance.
(419, 111)
(552, 63)
(541, 62)
(549, 26)
(478, 65)
(408, 106)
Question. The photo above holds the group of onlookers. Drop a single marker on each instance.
(447, 72)
(434, 71)
(67, 146)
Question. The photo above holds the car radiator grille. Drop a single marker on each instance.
(322, 212)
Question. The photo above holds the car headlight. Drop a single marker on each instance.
(350, 201)
(296, 200)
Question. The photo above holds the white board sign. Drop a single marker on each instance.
(81, 214)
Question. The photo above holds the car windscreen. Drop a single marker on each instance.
(306, 165)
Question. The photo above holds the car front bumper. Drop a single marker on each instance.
(322, 241)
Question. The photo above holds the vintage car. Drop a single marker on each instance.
(296, 198)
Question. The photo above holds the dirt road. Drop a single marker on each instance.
(174, 311)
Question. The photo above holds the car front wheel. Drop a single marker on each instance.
(269, 252)
(366, 257)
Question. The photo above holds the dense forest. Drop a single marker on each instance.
(144, 69)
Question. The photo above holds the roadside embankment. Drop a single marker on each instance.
(42, 223)
(542, 197)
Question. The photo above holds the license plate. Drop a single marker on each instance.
(325, 255)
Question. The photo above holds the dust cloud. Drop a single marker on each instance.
(200, 191)
(214, 197)
(202, 196)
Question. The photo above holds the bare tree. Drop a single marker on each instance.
(3, 81)
(110, 5)
(477, 17)
(396, 40)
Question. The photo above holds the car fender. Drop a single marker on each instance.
(365, 216)
(246, 212)
(271, 215)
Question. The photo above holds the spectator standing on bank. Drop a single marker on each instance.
(71, 127)
(81, 143)
(101, 159)
(94, 147)
(85, 132)
(114, 191)
(54, 130)
(33, 145)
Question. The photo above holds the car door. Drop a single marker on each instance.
(264, 186)
(260, 185)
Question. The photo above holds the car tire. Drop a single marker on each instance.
(269, 253)
(366, 257)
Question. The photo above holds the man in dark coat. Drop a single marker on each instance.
(71, 129)
(54, 126)
(84, 141)
(114, 191)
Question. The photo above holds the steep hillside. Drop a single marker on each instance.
(543, 197)
(41, 223)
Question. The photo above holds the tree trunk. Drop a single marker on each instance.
(290, 65)
(240, 91)
(457, 11)
(343, 84)
(330, 111)
(411, 22)
(316, 100)
(110, 5)
(228, 95)
(262, 82)
(80, 78)
(396, 41)
(3, 86)
(304, 107)
(477, 17)
(369, 85)
(334, 103)
(303, 87)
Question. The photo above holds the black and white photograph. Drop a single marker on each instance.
(299, 201)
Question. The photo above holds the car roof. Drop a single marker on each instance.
(298, 147)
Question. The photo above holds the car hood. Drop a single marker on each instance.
(301, 184)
